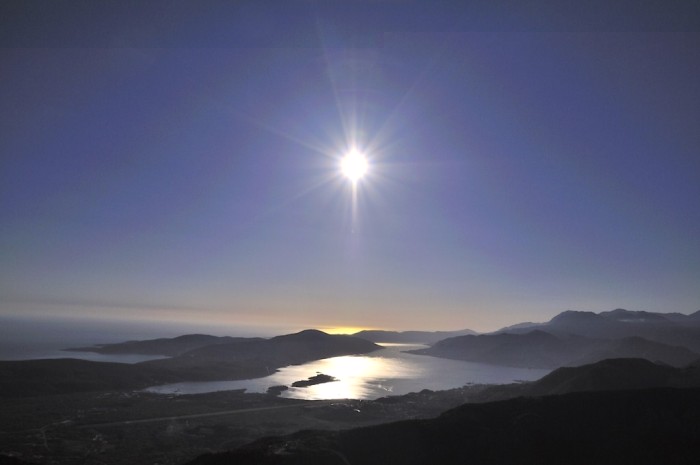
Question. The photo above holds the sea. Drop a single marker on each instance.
(25, 338)
(389, 371)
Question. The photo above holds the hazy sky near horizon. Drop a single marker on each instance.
(184, 165)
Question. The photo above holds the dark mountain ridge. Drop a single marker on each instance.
(541, 349)
(613, 375)
(257, 355)
(240, 358)
(638, 347)
(667, 328)
(163, 346)
(605, 375)
(623, 315)
(532, 349)
(410, 337)
(26, 378)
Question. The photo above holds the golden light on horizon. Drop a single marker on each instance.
(344, 329)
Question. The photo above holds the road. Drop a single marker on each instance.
(314, 404)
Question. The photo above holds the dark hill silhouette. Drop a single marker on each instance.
(614, 374)
(518, 327)
(533, 349)
(163, 346)
(623, 315)
(620, 427)
(587, 324)
(544, 350)
(255, 357)
(24, 378)
(693, 318)
(240, 359)
(318, 342)
(637, 347)
(410, 337)
(605, 375)
(673, 328)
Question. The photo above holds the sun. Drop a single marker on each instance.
(354, 165)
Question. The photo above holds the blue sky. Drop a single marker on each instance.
(183, 166)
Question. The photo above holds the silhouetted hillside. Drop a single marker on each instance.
(410, 337)
(693, 318)
(54, 376)
(637, 347)
(628, 316)
(605, 375)
(163, 346)
(255, 357)
(518, 327)
(623, 427)
(614, 374)
(587, 324)
(672, 328)
(240, 359)
(312, 342)
(544, 350)
(533, 349)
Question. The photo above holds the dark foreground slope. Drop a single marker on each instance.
(622, 427)
(26, 378)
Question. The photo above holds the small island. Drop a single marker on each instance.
(277, 390)
(318, 379)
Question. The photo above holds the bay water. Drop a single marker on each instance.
(390, 371)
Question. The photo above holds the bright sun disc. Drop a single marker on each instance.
(354, 165)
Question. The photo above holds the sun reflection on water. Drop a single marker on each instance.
(352, 373)
(389, 371)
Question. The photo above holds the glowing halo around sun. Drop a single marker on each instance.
(354, 165)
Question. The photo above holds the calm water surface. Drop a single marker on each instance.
(389, 371)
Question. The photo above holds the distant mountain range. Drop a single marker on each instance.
(540, 349)
(576, 338)
(410, 337)
(224, 358)
(667, 328)
(169, 347)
